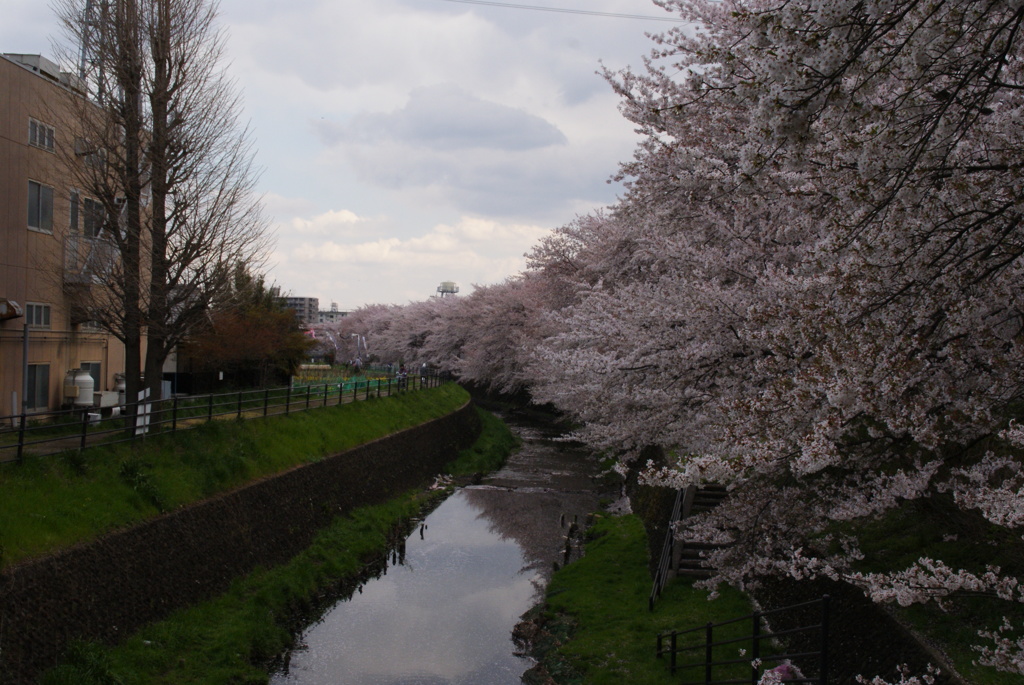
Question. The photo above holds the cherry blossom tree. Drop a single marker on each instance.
(482, 337)
(814, 286)
(811, 290)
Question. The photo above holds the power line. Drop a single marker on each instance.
(592, 13)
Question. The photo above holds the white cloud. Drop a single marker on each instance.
(473, 241)
(406, 142)
(355, 269)
(328, 223)
(447, 118)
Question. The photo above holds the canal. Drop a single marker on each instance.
(443, 610)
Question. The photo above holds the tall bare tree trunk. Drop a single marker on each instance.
(129, 76)
(159, 102)
(176, 177)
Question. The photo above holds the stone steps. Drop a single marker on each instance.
(688, 557)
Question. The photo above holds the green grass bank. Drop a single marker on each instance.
(595, 627)
(233, 638)
(48, 503)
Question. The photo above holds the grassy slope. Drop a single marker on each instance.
(51, 502)
(600, 632)
(599, 628)
(231, 639)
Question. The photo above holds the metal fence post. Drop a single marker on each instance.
(21, 436)
(239, 404)
(755, 648)
(672, 660)
(266, 400)
(378, 388)
(325, 394)
(308, 390)
(288, 400)
(708, 657)
(824, 639)
(174, 414)
(209, 408)
(85, 427)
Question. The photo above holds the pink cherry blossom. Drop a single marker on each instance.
(811, 291)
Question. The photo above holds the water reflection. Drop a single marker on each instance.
(444, 617)
(444, 612)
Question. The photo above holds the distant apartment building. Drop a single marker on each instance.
(307, 309)
(48, 244)
(332, 315)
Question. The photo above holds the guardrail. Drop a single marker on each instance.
(661, 574)
(759, 637)
(52, 432)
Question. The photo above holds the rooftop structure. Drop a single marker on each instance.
(447, 288)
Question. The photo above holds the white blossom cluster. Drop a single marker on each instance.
(1007, 654)
(905, 678)
(994, 486)
(930, 579)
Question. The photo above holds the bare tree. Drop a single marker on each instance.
(161, 150)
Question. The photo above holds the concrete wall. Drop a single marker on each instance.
(107, 589)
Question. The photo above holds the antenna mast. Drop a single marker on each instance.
(90, 65)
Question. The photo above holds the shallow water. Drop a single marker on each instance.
(444, 611)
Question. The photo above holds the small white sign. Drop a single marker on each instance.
(142, 418)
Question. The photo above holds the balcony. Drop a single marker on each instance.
(87, 260)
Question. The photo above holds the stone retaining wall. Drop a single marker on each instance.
(107, 589)
(863, 639)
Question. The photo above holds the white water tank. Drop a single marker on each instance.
(81, 379)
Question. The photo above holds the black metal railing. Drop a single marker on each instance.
(712, 653)
(661, 573)
(51, 432)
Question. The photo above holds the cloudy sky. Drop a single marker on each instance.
(409, 142)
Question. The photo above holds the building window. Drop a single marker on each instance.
(38, 386)
(92, 215)
(94, 370)
(37, 315)
(92, 218)
(96, 160)
(40, 207)
(40, 135)
(94, 157)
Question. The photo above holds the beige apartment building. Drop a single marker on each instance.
(48, 245)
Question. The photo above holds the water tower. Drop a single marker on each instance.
(447, 288)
